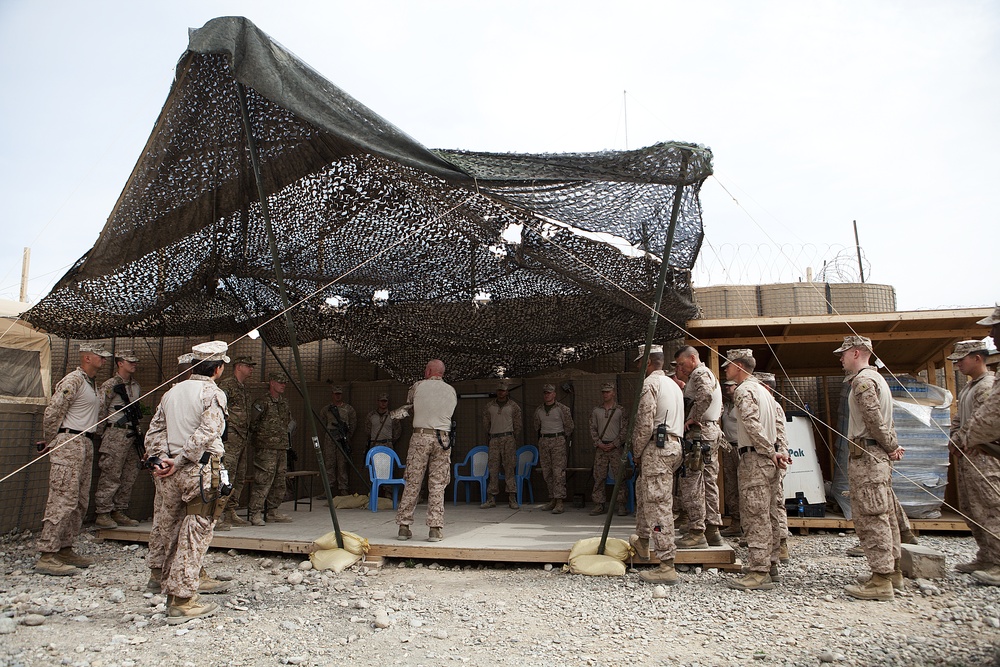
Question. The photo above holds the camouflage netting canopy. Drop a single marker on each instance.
(387, 247)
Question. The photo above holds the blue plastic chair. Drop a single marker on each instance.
(629, 485)
(527, 459)
(478, 463)
(381, 462)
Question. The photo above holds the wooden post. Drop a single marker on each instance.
(949, 383)
(932, 372)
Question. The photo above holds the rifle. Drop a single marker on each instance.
(133, 413)
(341, 436)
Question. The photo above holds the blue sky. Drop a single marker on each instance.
(818, 113)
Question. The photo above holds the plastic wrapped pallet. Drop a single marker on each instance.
(922, 416)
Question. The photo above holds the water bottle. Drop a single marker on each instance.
(801, 498)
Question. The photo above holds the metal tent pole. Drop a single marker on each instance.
(650, 331)
(279, 277)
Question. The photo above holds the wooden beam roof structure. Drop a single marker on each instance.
(905, 341)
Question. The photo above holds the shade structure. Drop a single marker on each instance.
(495, 263)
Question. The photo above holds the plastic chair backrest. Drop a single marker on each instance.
(381, 461)
(527, 458)
(480, 462)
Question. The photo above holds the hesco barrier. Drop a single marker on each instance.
(786, 299)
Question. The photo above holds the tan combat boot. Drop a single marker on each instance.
(622, 510)
(50, 564)
(435, 535)
(512, 501)
(971, 566)
(598, 509)
(223, 523)
(664, 573)
(641, 546)
(774, 573)
(549, 506)
(753, 581)
(695, 539)
(734, 530)
(713, 536)
(234, 519)
(907, 537)
(70, 557)
(878, 587)
(208, 585)
(491, 501)
(783, 551)
(278, 517)
(183, 610)
(558, 508)
(856, 552)
(257, 519)
(104, 520)
(404, 533)
(153, 585)
(123, 519)
(989, 575)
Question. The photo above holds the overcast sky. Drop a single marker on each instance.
(818, 113)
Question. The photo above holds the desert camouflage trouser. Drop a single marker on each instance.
(184, 538)
(699, 493)
(425, 455)
(654, 497)
(607, 464)
(758, 478)
(979, 498)
(235, 461)
(552, 458)
(117, 461)
(872, 510)
(70, 472)
(503, 452)
(730, 463)
(269, 468)
(336, 465)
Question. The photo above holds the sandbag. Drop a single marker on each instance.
(616, 548)
(353, 543)
(597, 566)
(337, 560)
(351, 502)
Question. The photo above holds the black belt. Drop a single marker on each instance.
(383, 440)
(607, 442)
(553, 435)
(501, 435)
(743, 450)
(73, 431)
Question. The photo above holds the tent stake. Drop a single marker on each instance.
(279, 277)
(650, 331)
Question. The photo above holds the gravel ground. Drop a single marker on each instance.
(278, 612)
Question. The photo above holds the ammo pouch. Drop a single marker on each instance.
(858, 449)
(693, 461)
(213, 507)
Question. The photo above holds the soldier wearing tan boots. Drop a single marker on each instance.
(185, 452)
(503, 423)
(340, 421)
(757, 438)
(781, 446)
(553, 425)
(607, 432)
(237, 437)
(980, 491)
(270, 423)
(699, 485)
(68, 427)
(433, 402)
(117, 457)
(872, 440)
(656, 450)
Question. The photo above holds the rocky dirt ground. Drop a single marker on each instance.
(445, 613)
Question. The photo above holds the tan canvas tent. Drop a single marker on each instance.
(25, 358)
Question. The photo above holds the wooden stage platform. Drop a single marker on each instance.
(528, 535)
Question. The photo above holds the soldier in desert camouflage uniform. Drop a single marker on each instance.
(68, 428)
(237, 441)
(503, 424)
(184, 446)
(607, 432)
(873, 446)
(981, 428)
(781, 446)
(657, 455)
(699, 487)
(270, 420)
(117, 458)
(757, 438)
(380, 428)
(730, 459)
(553, 424)
(341, 420)
(433, 402)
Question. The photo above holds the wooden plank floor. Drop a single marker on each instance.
(528, 535)
(949, 521)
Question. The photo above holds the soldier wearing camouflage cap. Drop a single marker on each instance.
(871, 436)
(502, 421)
(340, 421)
(977, 433)
(380, 427)
(117, 457)
(237, 440)
(607, 432)
(778, 511)
(68, 427)
(553, 424)
(270, 424)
